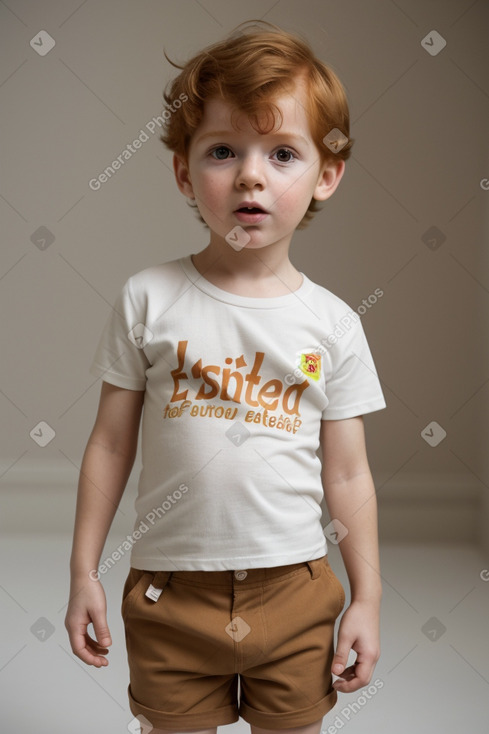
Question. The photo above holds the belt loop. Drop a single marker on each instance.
(315, 567)
(161, 578)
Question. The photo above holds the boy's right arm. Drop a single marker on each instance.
(106, 466)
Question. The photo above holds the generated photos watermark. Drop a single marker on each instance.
(149, 520)
(154, 124)
(351, 709)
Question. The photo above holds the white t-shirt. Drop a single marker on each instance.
(235, 390)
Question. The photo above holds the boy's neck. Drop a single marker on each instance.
(261, 273)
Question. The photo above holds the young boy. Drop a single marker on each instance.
(245, 367)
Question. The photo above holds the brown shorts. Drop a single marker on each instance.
(191, 634)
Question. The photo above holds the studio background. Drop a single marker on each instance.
(409, 218)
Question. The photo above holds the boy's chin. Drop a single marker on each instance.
(239, 239)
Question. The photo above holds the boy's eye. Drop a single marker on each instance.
(221, 153)
(284, 155)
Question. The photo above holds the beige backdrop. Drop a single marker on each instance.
(410, 218)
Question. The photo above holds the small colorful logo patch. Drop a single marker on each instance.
(310, 365)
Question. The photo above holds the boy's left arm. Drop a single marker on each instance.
(350, 497)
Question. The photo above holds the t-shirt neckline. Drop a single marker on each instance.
(204, 285)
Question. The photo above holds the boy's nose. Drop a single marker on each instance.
(250, 173)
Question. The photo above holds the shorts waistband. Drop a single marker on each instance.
(238, 577)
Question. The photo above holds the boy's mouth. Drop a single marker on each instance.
(251, 207)
(250, 215)
(250, 212)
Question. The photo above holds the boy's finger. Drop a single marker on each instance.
(90, 658)
(348, 681)
(91, 652)
(363, 672)
(77, 642)
(80, 644)
(85, 648)
(355, 677)
(340, 657)
(102, 632)
(76, 634)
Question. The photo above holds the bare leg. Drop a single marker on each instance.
(313, 728)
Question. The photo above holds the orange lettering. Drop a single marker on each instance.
(270, 389)
(253, 378)
(214, 385)
(178, 374)
(238, 378)
(294, 388)
(230, 385)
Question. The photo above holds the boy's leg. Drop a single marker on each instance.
(313, 728)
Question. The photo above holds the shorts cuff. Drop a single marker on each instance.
(163, 720)
(288, 719)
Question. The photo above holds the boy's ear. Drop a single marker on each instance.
(330, 176)
(182, 176)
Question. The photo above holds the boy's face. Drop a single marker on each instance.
(279, 172)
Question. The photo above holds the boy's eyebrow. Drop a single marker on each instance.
(278, 134)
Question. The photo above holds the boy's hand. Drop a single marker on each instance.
(88, 605)
(358, 631)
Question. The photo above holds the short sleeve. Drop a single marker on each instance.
(119, 357)
(351, 382)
